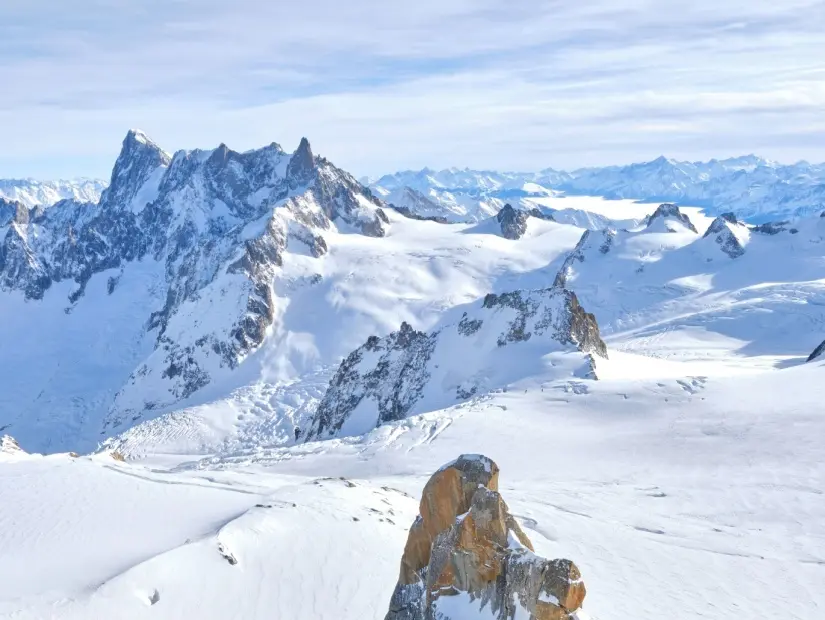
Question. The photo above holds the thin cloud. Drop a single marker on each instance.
(377, 86)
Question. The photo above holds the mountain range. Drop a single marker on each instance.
(251, 363)
(753, 188)
(31, 192)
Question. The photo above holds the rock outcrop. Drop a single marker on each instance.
(466, 554)
(669, 214)
(601, 239)
(730, 234)
(513, 222)
(390, 378)
(818, 353)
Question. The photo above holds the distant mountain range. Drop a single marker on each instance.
(753, 188)
(31, 192)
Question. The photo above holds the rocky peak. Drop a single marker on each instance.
(13, 211)
(9, 211)
(513, 222)
(302, 164)
(390, 378)
(139, 159)
(730, 234)
(465, 552)
(204, 217)
(667, 211)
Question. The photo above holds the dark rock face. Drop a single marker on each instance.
(302, 164)
(139, 158)
(465, 543)
(8, 211)
(390, 375)
(818, 352)
(395, 382)
(670, 210)
(539, 214)
(192, 214)
(513, 222)
(572, 326)
(721, 230)
(771, 228)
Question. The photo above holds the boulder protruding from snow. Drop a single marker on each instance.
(513, 222)
(491, 344)
(730, 234)
(671, 217)
(466, 553)
(818, 353)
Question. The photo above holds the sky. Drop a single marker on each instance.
(384, 85)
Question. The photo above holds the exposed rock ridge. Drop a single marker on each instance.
(388, 376)
(513, 222)
(670, 210)
(729, 234)
(818, 352)
(202, 217)
(466, 544)
(603, 239)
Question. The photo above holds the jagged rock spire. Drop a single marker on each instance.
(302, 164)
(465, 541)
(139, 158)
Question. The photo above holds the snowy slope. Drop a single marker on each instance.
(32, 193)
(687, 482)
(473, 350)
(677, 498)
(731, 292)
(363, 287)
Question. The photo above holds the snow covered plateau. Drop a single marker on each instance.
(226, 382)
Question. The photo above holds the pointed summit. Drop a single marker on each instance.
(139, 159)
(513, 222)
(669, 213)
(730, 234)
(302, 163)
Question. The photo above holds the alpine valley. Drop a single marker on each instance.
(228, 379)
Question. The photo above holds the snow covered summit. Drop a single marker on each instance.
(32, 192)
(501, 339)
(177, 260)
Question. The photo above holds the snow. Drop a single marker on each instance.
(753, 188)
(674, 503)
(32, 193)
(687, 482)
